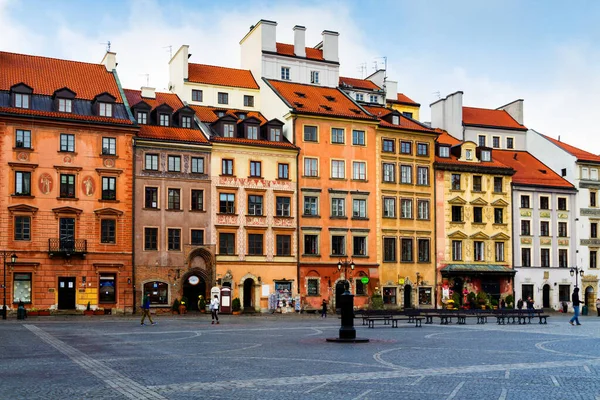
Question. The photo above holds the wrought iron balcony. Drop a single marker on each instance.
(67, 247)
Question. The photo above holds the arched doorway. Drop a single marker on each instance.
(590, 297)
(407, 296)
(546, 296)
(193, 287)
(340, 288)
(248, 292)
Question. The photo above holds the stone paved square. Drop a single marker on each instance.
(286, 356)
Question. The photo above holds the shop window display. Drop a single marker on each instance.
(22, 288)
(389, 295)
(159, 292)
(425, 296)
(107, 293)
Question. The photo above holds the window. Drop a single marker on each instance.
(338, 207)
(482, 140)
(358, 138)
(593, 230)
(255, 205)
(311, 244)
(151, 197)
(564, 293)
(197, 95)
(422, 176)
(314, 77)
(563, 259)
(361, 288)
(197, 237)
(107, 231)
(359, 208)
(105, 109)
(526, 257)
(562, 203)
(275, 135)
(282, 206)
(23, 139)
(337, 135)
(227, 243)
(164, 119)
(544, 203)
(174, 239)
(174, 197)
(222, 98)
(389, 146)
(151, 163)
(359, 246)
(407, 114)
(22, 228)
(585, 173)
(389, 295)
(197, 200)
(150, 238)
(544, 228)
(423, 249)
(142, 118)
(197, 165)
(22, 287)
(389, 207)
(477, 215)
(283, 171)
(310, 167)
(174, 164)
(186, 122)
(477, 183)
(406, 208)
(310, 206)
(562, 229)
(67, 186)
(338, 245)
(478, 251)
(109, 188)
(226, 167)
(545, 258)
(312, 286)
(255, 244)
(593, 197)
(422, 209)
(497, 184)
(359, 170)
(593, 258)
(486, 155)
(109, 146)
(594, 174)
(227, 203)
(248, 101)
(373, 98)
(389, 249)
(338, 169)
(310, 133)
(498, 216)
(422, 149)
(406, 174)
(524, 201)
(496, 142)
(389, 172)
(406, 147)
(406, 250)
(228, 130)
(360, 97)
(283, 245)
(468, 154)
(457, 214)
(22, 183)
(21, 100)
(444, 151)
(509, 143)
(285, 73)
(526, 228)
(67, 142)
(252, 132)
(455, 181)
(255, 169)
(499, 251)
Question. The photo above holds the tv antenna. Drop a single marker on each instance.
(107, 43)
(437, 93)
(363, 69)
(170, 47)
(147, 79)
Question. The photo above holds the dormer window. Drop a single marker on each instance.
(486, 155)
(65, 105)
(469, 154)
(21, 95)
(105, 109)
(242, 116)
(373, 99)
(163, 119)
(396, 119)
(275, 135)
(252, 132)
(444, 151)
(22, 100)
(142, 117)
(228, 130)
(186, 122)
(220, 114)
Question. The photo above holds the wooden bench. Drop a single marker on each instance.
(394, 321)
(521, 317)
(371, 320)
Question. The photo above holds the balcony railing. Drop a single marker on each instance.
(67, 247)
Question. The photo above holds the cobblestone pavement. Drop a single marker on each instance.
(286, 356)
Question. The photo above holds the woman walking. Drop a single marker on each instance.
(214, 308)
(598, 306)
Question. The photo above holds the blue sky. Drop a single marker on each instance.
(542, 51)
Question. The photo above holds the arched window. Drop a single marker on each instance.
(158, 292)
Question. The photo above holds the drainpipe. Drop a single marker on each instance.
(297, 211)
(133, 231)
(435, 279)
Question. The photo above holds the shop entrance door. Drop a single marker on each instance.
(590, 298)
(546, 296)
(66, 293)
(193, 287)
(407, 296)
(340, 288)
(248, 291)
(493, 289)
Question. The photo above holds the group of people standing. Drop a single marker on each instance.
(214, 309)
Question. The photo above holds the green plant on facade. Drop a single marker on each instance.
(376, 302)
(176, 305)
(202, 304)
(510, 300)
(236, 305)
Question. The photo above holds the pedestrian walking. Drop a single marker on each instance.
(598, 306)
(214, 308)
(530, 304)
(324, 309)
(146, 309)
(576, 302)
(520, 304)
(502, 304)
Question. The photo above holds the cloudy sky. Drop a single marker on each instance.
(539, 50)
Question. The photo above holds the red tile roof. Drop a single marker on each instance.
(172, 133)
(491, 118)
(283, 144)
(364, 84)
(403, 99)
(405, 122)
(65, 116)
(208, 114)
(581, 155)
(45, 75)
(288, 50)
(445, 138)
(135, 96)
(222, 76)
(529, 170)
(317, 100)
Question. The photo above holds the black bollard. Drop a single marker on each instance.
(347, 330)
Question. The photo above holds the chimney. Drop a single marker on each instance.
(148, 92)
(515, 109)
(330, 46)
(300, 41)
(391, 90)
(268, 35)
(109, 61)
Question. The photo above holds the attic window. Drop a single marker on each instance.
(242, 116)
(486, 155)
(105, 109)
(355, 110)
(444, 151)
(300, 94)
(65, 105)
(22, 100)
(298, 104)
(326, 107)
(220, 114)
(163, 120)
(396, 119)
(330, 98)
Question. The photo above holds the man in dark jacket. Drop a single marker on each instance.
(576, 302)
(146, 309)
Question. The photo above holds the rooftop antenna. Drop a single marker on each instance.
(170, 47)
(147, 79)
(107, 43)
(363, 69)
(437, 94)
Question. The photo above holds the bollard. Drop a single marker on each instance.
(21, 312)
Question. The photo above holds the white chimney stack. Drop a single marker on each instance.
(300, 41)
(268, 35)
(148, 92)
(109, 61)
(330, 46)
(515, 109)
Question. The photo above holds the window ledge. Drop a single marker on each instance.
(150, 209)
(67, 152)
(310, 216)
(338, 179)
(360, 256)
(219, 213)
(67, 198)
(109, 201)
(384, 217)
(360, 180)
(311, 255)
(337, 217)
(338, 255)
(255, 215)
(458, 222)
(284, 216)
(310, 177)
(360, 218)
(23, 196)
(173, 210)
(28, 149)
(499, 224)
(228, 175)
(283, 179)
(255, 177)
(197, 211)
(109, 155)
(479, 223)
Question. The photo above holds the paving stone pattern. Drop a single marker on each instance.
(274, 357)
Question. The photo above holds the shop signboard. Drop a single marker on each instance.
(364, 280)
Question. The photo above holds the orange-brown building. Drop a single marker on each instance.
(66, 183)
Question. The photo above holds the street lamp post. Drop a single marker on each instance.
(576, 272)
(13, 260)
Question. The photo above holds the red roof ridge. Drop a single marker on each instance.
(52, 58)
(219, 66)
(529, 170)
(574, 151)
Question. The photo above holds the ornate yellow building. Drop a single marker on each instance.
(405, 105)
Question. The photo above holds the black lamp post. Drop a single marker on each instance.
(13, 260)
(576, 272)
